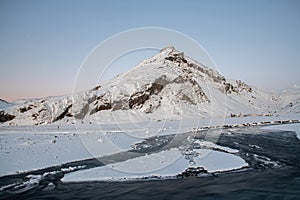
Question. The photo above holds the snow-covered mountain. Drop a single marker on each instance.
(169, 85)
(3, 104)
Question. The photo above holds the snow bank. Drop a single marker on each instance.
(35, 149)
(24, 151)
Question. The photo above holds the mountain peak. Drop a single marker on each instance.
(170, 50)
(168, 53)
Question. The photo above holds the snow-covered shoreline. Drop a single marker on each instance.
(25, 148)
(181, 125)
(45, 155)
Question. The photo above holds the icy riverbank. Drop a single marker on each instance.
(26, 148)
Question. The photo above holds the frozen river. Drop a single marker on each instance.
(245, 162)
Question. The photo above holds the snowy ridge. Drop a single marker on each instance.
(3, 104)
(168, 85)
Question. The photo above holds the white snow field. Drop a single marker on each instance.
(27, 150)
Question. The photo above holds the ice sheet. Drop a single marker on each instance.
(162, 164)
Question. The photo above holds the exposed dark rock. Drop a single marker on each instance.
(162, 80)
(149, 109)
(35, 116)
(92, 99)
(198, 90)
(192, 171)
(140, 97)
(4, 117)
(155, 88)
(99, 107)
(43, 109)
(186, 98)
(102, 102)
(179, 79)
(83, 112)
(177, 57)
(228, 89)
(26, 108)
(170, 58)
(69, 115)
(242, 86)
(63, 114)
(96, 88)
(121, 104)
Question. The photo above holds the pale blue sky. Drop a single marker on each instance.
(43, 43)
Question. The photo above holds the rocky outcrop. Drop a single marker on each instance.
(229, 88)
(84, 109)
(4, 117)
(243, 86)
(99, 105)
(139, 98)
(63, 114)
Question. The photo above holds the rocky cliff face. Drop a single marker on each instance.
(167, 85)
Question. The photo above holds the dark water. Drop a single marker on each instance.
(260, 181)
(269, 184)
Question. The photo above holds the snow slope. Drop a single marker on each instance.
(169, 85)
(3, 104)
